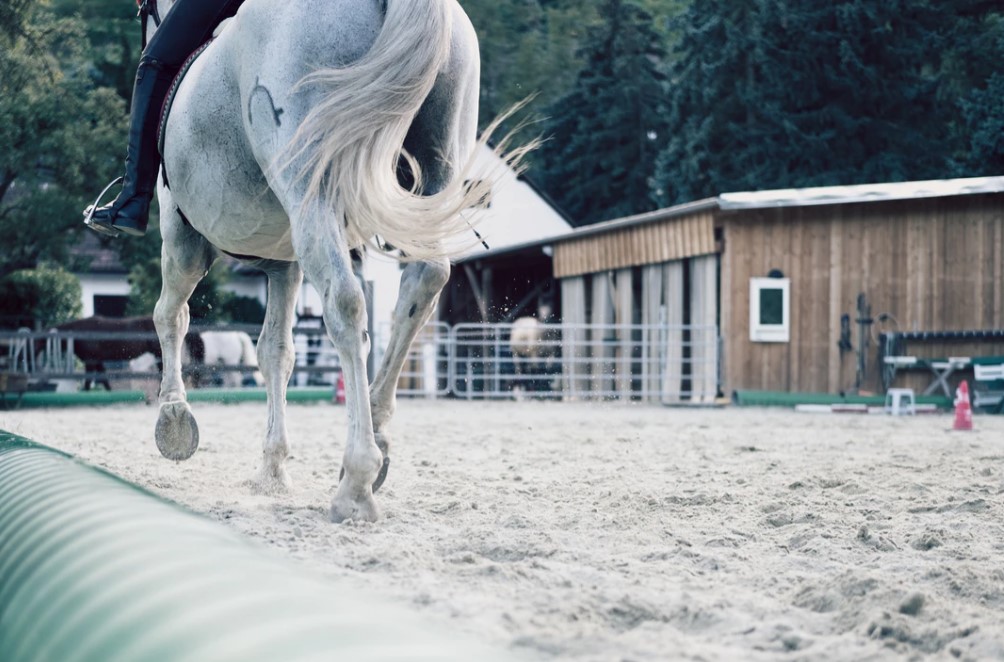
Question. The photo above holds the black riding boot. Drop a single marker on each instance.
(130, 211)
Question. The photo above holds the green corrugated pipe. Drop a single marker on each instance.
(94, 569)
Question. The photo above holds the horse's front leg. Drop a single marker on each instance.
(324, 257)
(421, 283)
(276, 358)
(185, 259)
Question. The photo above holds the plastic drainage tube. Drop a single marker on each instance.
(94, 569)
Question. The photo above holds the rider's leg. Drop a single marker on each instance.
(186, 26)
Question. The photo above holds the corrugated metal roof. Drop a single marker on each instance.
(820, 195)
(98, 256)
(835, 195)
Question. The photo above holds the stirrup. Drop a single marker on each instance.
(102, 228)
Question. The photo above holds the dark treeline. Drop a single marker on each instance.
(655, 103)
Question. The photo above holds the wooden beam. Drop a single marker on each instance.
(472, 279)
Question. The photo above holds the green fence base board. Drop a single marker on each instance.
(75, 398)
(94, 569)
(300, 394)
(38, 399)
(785, 399)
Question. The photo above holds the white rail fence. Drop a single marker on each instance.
(664, 363)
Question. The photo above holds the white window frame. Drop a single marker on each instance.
(770, 332)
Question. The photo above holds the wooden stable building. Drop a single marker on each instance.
(808, 290)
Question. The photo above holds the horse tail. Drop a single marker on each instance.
(348, 148)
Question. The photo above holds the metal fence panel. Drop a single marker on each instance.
(657, 362)
(585, 361)
(426, 367)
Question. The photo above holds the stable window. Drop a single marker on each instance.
(769, 309)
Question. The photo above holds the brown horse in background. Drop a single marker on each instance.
(95, 350)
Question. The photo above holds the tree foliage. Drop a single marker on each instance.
(605, 134)
(777, 94)
(42, 297)
(56, 131)
(975, 82)
(209, 304)
(527, 48)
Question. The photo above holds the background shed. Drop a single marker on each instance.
(866, 271)
(924, 257)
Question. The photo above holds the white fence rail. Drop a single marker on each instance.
(662, 363)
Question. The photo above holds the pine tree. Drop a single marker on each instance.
(777, 93)
(527, 49)
(977, 88)
(604, 135)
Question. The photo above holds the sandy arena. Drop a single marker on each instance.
(616, 532)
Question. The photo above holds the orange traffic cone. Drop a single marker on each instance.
(340, 390)
(963, 410)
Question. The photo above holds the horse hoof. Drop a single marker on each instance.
(177, 433)
(344, 508)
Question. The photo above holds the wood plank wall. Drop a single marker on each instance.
(932, 264)
(649, 243)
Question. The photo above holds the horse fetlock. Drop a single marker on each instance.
(173, 395)
(383, 442)
(362, 460)
(176, 433)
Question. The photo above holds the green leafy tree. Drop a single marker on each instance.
(776, 94)
(983, 116)
(528, 48)
(209, 304)
(56, 132)
(605, 135)
(114, 38)
(12, 17)
(976, 87)
(41, 297)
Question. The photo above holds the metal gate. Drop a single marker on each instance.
(662, 363)
(588, 361)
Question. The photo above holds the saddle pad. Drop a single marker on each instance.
(165, 109)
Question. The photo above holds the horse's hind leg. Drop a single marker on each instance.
(421, 283)
(324, 256)
(276, 358)
(440, 137)
(185, 259)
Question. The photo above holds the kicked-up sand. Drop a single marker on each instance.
(584, 531)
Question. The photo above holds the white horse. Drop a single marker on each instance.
(230, 349)
(533, 348)
(286, 145)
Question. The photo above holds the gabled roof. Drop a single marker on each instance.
(836, 195)
(519, 212)
(804, 197)
(98, 257)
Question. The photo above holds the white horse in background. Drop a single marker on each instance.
(304, 130)
(230, 349)
(533, 348)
